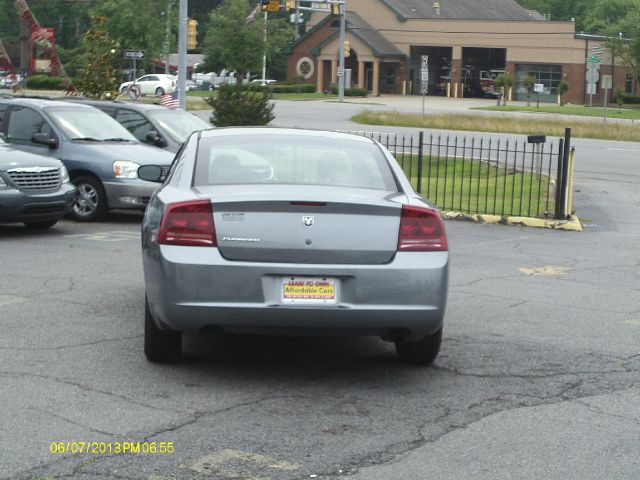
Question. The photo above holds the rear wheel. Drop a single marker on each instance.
(41, 225)
(91, 202)
(159, 91)
(420, 352)
(160, 346)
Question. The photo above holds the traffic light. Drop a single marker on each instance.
(335, 9)
(270, 5)
(192, 34)
(347, 48)
(289, 5)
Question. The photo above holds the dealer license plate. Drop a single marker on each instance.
(309, 290)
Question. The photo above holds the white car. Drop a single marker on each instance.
(152, 84)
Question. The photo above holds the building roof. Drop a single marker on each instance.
(461, 10)
(378, 43)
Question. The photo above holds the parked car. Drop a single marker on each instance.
(265, 230)
(102, 157)
(153, 84)
(34, 189)
(153, 124)
(10, 80)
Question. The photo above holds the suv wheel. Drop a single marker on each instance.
(91, 202)
(159, 92)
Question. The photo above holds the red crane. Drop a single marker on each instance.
(42, 37)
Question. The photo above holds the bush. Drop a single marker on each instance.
(630, 97)
(294, 88)
(350, 92)
(45, 82)
(237, 105)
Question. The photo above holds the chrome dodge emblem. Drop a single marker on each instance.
(307, 220)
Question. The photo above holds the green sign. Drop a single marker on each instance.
(594, 59)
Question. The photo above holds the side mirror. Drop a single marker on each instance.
(44, 139)
(156, 139)
(151, 173)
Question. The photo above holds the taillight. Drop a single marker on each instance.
(421, 230)
(188, 224)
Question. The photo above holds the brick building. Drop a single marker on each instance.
(465, 41)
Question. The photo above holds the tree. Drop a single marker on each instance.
(504, 81)
(529, 81)
(232, 42)
(235, 41)
(563, 88)
(97, 75)
(236, 105)
(138, 25)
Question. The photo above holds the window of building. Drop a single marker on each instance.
(548, 75)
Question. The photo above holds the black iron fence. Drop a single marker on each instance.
(499, 176)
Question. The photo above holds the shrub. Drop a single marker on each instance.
(630, 97)
(45, 82)
(236, 105)
(563, 88)
(350, 92)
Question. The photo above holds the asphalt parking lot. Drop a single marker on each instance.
(538, 376)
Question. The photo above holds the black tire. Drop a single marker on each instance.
(124, 90)
(41, 225)
(91, 202)
(420, 352)
(160, 346)
(159, 91)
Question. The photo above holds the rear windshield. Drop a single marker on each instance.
(292, 159)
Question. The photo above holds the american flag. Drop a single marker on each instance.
(170, 100)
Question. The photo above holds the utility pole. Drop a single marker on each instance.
(296, 18)
(182, 56)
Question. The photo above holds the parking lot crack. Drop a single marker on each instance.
(87, 388)
(75, 345)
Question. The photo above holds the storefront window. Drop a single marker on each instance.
(548, 75)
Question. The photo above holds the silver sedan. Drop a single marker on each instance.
(287, 231)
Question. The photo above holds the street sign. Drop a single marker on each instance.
(134, 54)
(594, 59)
(592, 76)
(606, 82)
(538, 87)
(591, 88)
(424, 75)
(340, 71)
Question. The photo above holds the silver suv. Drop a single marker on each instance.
(102, 157)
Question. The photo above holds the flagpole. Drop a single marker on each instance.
(264, 53)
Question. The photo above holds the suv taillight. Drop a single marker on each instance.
(421, 230)
(188, 224)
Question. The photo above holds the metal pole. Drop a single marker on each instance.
(264, 51)
(182, 56)
(341, 52)
(297, 21)
(606, 95)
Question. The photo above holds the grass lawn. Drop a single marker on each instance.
(472, 186)
(629, 112)
(504, 124)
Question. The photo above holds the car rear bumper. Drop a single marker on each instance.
(19, 206)
(192, 288)
(129, 193)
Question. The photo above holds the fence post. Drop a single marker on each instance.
(572, 165)
(420, 158)
(558, 212)
(565, 174)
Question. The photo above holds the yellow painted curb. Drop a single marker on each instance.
(572, 224)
